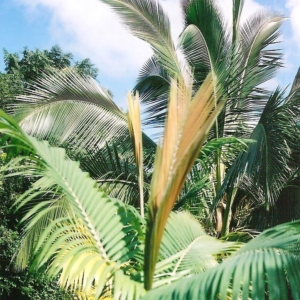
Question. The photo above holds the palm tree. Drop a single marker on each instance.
(238, 60)
(99, 245)
(207, 42)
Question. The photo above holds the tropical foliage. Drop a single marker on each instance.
(20, 70)
(20, 285)
(134, 219)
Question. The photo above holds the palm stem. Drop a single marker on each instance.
(141, 187)
(227, 213)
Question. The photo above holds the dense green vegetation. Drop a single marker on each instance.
(24, 67)
(20, 71)
(200, 215)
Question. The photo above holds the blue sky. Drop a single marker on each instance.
(87, 28)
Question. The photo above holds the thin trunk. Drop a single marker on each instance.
(237, 6)
(219, 216)
(141, 186)
(228, 213)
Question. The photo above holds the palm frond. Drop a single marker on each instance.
(77, 113)
(114, 169)
(193, 45)
(237, 8)
(153, 85)
(197, 195)
(286, 209)
(296, 82)
(40, 215)
(187, 127)
(230, 146)
(89, 109)
(265, 268)
(261, 63)
(147, 21)
(116, 174)
(267, 160)
(213, 30)
(134, 124)
(187, 249)
(93, 232)
(68, 108)
(199, 192)
(254, 60)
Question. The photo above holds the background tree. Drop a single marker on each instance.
(21, 68)
(29, 64)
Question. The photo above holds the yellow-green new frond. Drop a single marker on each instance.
(135, 130)
(187, 126)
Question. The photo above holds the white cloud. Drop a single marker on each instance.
(88, 28)
(173, 10)
(91, 29)
(294, 7)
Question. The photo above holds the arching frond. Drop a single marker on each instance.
(261, 62)
(265, 268)
(153, 85)
(199, 192)
(147, 21)
(93, 231)
(187, 249)
(213, 31)
(66, 108)
(77, 113)
(192, 42)
(267, 160)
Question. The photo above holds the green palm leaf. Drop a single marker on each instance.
(193, 44)
(265, 268)
(187, 249)
(147, 21)
(153, 85)
(199, 192)
(77, 113)
(212, 31)
(93, 232)
(256, 34)
(296, 82)
(114, 169)
(65, 107)
(267, 160)
(286, 209)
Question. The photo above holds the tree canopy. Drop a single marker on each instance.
(26, 66)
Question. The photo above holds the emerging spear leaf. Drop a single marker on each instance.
(187, 126)
(134, 123)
